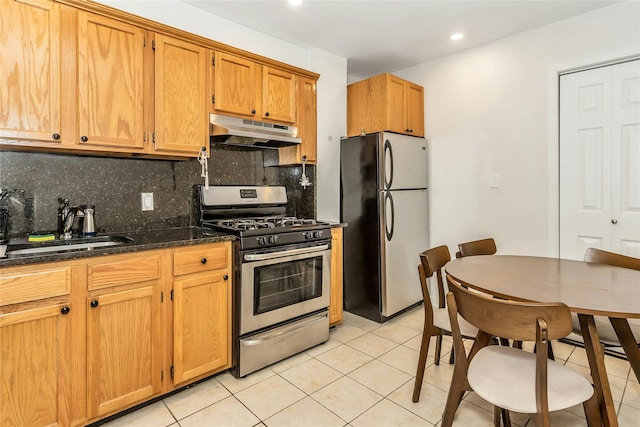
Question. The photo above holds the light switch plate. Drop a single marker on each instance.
(494, 180)
(147, 201)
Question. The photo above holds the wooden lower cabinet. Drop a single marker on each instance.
(335, 308)
(201, 335)
(34, 375)
(123, 348)
(201, 311)
(85, 339)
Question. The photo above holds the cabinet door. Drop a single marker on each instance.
(278, 95)
(335, 307)
(201, 325)
(30, 70)
(415, 109)
(181, 119)
(396, 105)
(34, 350)
(123, 348)
(110, 82)
(307, 119)
(234, 85)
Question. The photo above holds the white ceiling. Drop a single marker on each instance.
(385, 36)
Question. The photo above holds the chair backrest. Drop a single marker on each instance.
(477, 247)
(598, 256)
(432, 261)
(510, 319)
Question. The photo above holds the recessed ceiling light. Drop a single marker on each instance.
(457, 36)
(295, 2)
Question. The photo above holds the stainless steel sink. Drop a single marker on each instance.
(34, 248)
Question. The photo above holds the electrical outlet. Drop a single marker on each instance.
(147, 201)
(494, 180)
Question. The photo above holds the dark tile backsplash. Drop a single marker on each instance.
(114, 185)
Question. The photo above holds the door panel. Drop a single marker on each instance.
(30, 70)
(585, 159)
(400, 287)
(625, 203)
(409, 162)
(110, 82)
(600, 160)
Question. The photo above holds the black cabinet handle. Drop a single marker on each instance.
(55, 136)
(84, 138)
(266, 114)
(94, 303)
(65, 310)
(225, 277)
(253, 111)
(203, 260)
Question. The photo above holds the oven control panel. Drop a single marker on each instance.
(288, 238)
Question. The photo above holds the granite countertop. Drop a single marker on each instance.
(142, 240)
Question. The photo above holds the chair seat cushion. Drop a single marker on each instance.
(506, 377)
(606, 333)
(441, 320)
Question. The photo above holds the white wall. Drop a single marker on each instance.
(331, 89)
(493, 109)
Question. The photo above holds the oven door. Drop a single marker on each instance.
(280, 284)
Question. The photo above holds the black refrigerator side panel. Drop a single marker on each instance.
(359, 209)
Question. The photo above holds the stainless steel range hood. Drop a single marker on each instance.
(251, 133)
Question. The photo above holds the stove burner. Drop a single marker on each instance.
(267, 222)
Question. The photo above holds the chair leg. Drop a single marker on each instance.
(592, 411)
(452, 357)
(422, 362)
(436, 357)
(517, 344)
(501, 414)
(504, 342)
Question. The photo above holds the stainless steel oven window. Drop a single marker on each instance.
(250, 319)
(279, 285)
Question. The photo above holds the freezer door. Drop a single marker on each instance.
(404, 230)
(404, 162)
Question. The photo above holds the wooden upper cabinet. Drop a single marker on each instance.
(385, 103)
(415, 109)
(307, 124)
(278, 95)
(181, 96)
(234, 85)
(30, 70)
(110, 82)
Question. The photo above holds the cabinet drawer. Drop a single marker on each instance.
(123, 270)
(200, 258)
(21, 287)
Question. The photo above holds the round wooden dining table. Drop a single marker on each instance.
(588, 289)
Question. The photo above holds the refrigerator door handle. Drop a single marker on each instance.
(389, 232)
(388, 162)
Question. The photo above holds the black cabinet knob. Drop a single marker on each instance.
(55, 136)
(84, 138)
(65, 310)
(203, 260)
(225, 277)
(266, 114)
(410, 130)
(94, 303)
(253, 111)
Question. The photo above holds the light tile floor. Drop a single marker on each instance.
(362, 377)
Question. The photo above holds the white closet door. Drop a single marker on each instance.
(625, 155)
(600, 160)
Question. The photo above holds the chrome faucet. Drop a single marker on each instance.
(67, 215)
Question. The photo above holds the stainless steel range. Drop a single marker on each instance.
(282, 273)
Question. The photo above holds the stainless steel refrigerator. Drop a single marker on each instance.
(384, 200)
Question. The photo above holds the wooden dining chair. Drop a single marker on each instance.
(509, 378)
(436, 319)
(477, 247)
(606, 333)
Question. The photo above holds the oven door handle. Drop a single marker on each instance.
(317, 318)
(272, 255)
